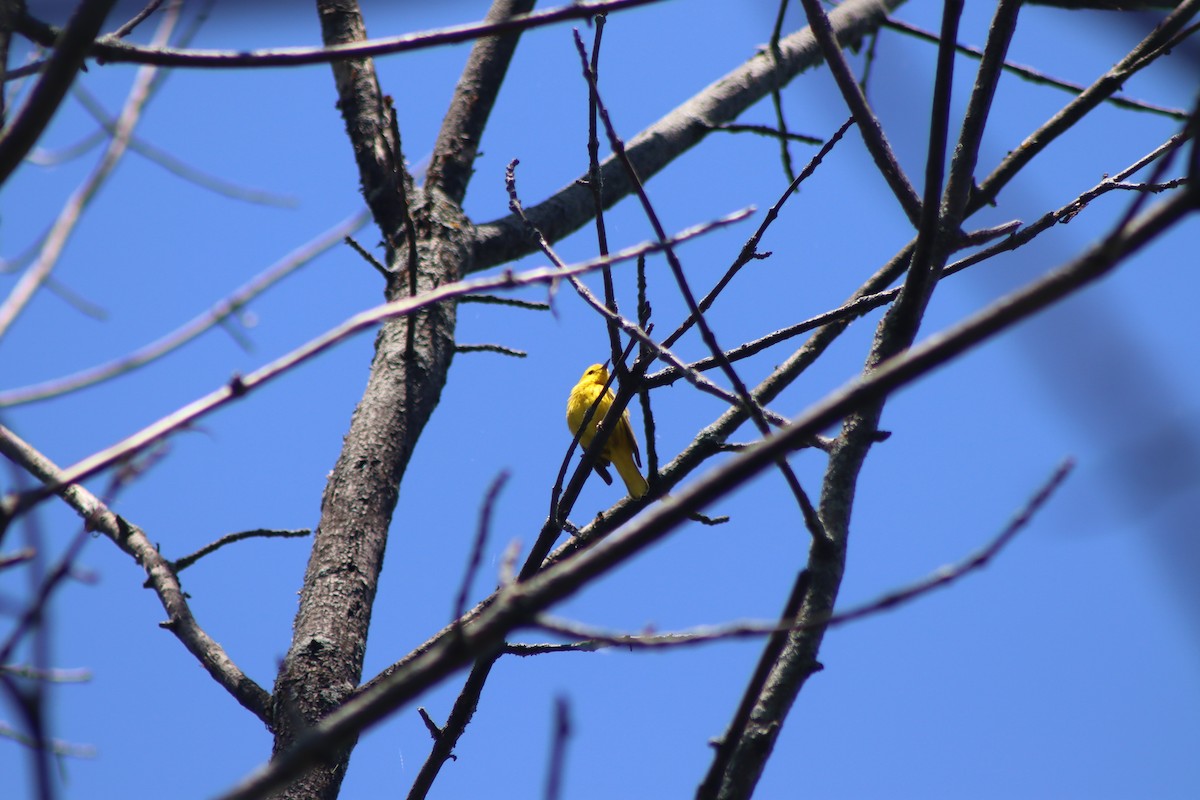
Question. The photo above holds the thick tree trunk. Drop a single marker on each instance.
(412, 357)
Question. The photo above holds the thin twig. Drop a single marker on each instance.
(366, 256)
(490, 348)
(558, 748)
(481, 536)
(36, 607)
(504, 301)
(596, 184)
(15, 558)
(55, 675)
(448, 735)
(766, 130)
(136, 19)
(43, 157)
(524, 650)
(749, 250)
(180, 564)
(1069, 211)
(868, 124)
(781, 127)
(1034, 76)
(55, 746)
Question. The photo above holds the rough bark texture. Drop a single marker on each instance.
(412, 357)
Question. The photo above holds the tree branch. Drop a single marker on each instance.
(70, 49)
(134, 542)
(503, 240)
(868, 124)
(1144, 54)
(458, 141)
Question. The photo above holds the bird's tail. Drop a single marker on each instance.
(629, 473)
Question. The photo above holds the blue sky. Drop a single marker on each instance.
(1067, 668)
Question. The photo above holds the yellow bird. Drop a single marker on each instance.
(621, 449)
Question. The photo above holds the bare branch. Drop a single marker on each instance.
(134, 542)
(55, 746)
(1034, 76)
(764, 130)
(481, 535)
(180, 564)
(750, 248)
(36, 607)
(781, 128)
(47, 675)
(110, 50)
(137, 19)
(526, 650)
(70, 48)
(651, 150)
(447, 736)
(868, 123)
(558, 748)
(1068, 212)
(170, 162)
(19, 557)
(1144, 54)
(490, 348)
(505, 301)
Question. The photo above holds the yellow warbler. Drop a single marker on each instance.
(621, 448)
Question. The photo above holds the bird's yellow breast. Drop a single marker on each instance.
(590, 386)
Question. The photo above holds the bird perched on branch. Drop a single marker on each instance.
(621, 449)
